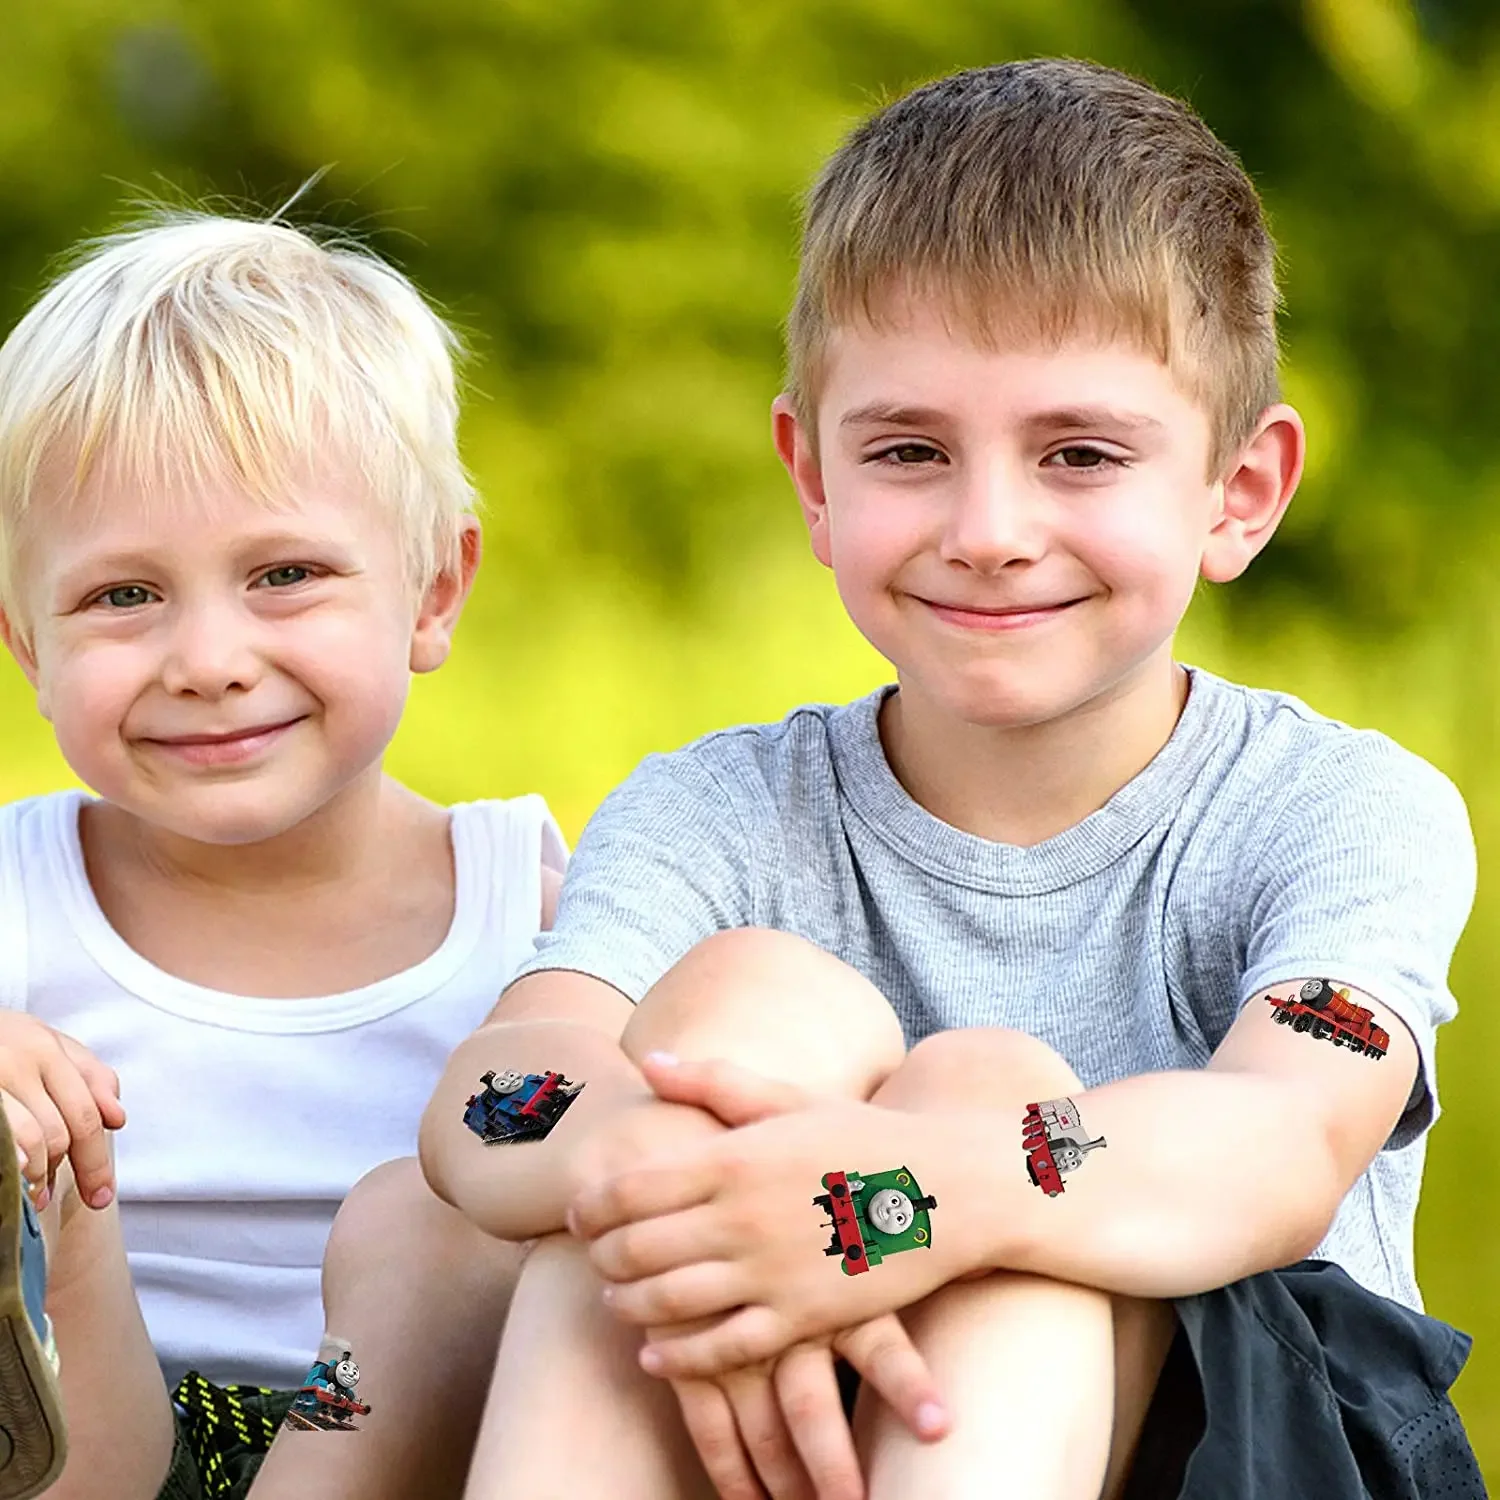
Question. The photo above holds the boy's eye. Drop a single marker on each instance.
(284, 577)
(903, 454)
(1081, 456)
(126, 596)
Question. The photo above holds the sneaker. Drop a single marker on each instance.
(33, 1443)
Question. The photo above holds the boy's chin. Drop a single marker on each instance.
(229, 818)
(996, 699)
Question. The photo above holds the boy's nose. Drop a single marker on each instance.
(994, 518)
(210, 653)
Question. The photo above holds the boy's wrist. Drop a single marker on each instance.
(987, 1224)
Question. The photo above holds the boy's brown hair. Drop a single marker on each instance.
(1037, 199)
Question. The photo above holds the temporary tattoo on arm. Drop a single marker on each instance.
(518, 1106)
(1055, 1142)
(875, 1216)
(1328, 1014)
(329, 1399)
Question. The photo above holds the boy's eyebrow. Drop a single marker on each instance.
(1081, 418)
(887, 414)
(1067, 418)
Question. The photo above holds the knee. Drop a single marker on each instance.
(751, 986)
(979, 1065)
(746, 960)
(379, 1202)
(392, 1207)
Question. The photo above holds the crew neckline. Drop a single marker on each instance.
(301, 1015)
(871, 789)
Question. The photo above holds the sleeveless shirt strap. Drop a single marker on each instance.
(524, 836)
(13, 956)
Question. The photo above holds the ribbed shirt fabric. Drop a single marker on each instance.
(249, 1119)
(1263, 843)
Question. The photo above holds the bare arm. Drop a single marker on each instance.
(559, 1021)
(1207, 1176)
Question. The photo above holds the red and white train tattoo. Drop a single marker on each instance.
(1055, 1142)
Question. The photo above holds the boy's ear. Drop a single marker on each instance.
(432, 632)
(20, 647)
(799, 453)
(1255, 493)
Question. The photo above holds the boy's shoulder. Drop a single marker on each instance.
(1271, 745)
(801, 751)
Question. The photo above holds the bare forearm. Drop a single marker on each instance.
(1206, 1177)
(518, 1191)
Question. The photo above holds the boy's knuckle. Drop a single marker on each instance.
(801, 1404)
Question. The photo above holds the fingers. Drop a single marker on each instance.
(882, 1351)
(31, 1147)
(710, 1423)
(807, 1391)
(694, 1291)
(744, 1338)
(102, 1080)
(765, 1436)
(645, 1193)
(655, 1246)
(736, 1095)
(80, 1130)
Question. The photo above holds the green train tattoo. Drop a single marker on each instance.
(875, 1216)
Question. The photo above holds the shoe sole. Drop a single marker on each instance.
(33, 1441)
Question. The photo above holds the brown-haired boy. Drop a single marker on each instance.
(1135, 972)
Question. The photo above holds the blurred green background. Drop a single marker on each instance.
(602, 194)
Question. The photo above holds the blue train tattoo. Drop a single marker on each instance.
(515, 1107)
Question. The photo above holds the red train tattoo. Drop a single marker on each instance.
(1055, 1142)
(1330, 1015)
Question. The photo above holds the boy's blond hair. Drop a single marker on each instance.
(198, 347)
(1038, 199)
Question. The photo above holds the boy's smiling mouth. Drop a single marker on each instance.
(225, 747)
(997, 617)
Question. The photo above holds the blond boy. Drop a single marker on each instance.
(1072, 940)
(233, 523)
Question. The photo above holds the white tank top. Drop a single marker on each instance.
(249, 1119)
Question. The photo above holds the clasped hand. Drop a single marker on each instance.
(716, 1247)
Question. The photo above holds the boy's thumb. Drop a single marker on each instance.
(734, 1094)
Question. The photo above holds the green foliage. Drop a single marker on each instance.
(603, 196)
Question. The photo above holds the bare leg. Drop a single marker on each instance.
(1143, 1334)
(421, 1296)
(569, 1407)
(570, 1412)
(993, 1342)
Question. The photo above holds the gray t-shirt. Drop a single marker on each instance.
(1263, 843)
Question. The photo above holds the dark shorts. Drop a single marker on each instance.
(1299, 1384)
(223, 1434)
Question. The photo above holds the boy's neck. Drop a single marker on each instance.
(1023, 786)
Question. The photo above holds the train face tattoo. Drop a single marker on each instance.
(328, 1401)
(1329, 1015)
(518, 1106)
(1055, 1142)
(874, 1216)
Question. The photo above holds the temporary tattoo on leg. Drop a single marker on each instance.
(328, 1400)
(1055, 1142)
(1330, 1015)
(875, 1216)
(518, 1106)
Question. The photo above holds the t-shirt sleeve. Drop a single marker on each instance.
(663, 864)
(1366, 878)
